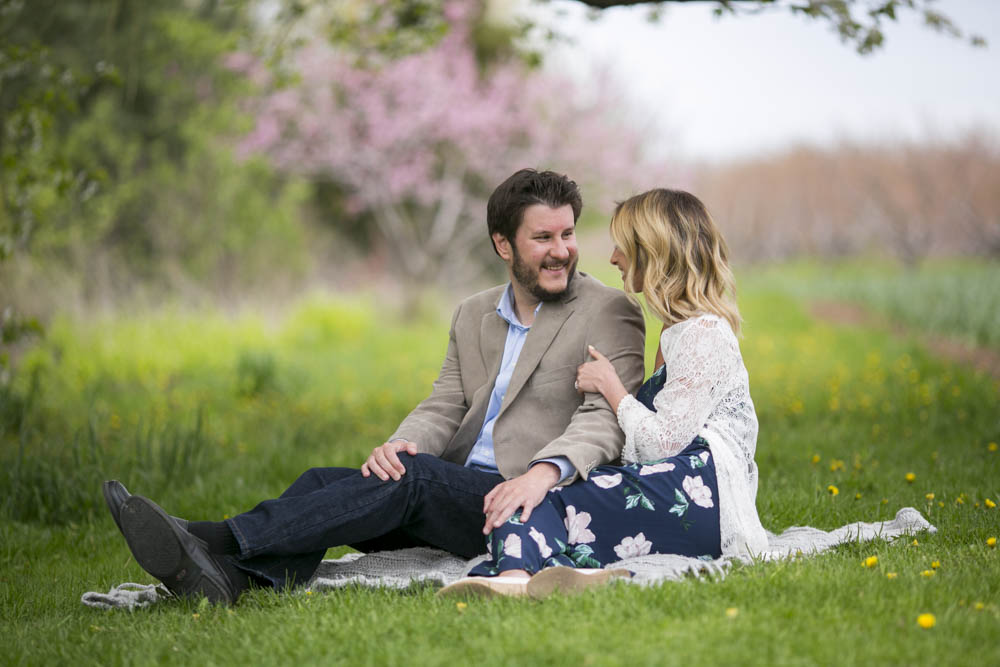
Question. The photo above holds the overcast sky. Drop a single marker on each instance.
(738, 86)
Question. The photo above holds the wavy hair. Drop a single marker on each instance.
(674, 250)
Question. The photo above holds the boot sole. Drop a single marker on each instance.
(163, 552)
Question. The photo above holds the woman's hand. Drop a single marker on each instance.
(600, 376)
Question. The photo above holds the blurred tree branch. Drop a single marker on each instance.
(858, 22)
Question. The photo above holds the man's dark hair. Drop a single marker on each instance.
(525, 188)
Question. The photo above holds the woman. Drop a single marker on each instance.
(689, 481)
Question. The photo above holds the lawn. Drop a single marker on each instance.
(209, 413)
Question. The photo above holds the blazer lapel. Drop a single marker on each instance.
(548, 323)
(492, 338)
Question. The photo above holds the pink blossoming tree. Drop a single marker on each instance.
(421, 140)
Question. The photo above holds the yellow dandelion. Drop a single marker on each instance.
(927, 574)
(926, 621)
(992, 446)
(461, 606)
(309, 592)
(871, 561)
(959, 501)
(832, 490)
(979, 606)
(732, 612)
(815, 458)
(910, 477)
(836, 464)
(940, 503)
(891, 575)
(935, 564)
(989, 503)
(991, 542)
(857, 496)
(929, 496)
(914, 543)
(885, 501)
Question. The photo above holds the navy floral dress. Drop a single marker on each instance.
(668, 506)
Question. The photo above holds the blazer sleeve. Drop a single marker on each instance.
(433, 423)
(593, 437)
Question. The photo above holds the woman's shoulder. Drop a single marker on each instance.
(705, 328)
(704, 324)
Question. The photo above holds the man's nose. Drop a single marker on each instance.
(560, 249)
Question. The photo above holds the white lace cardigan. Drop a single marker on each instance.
(706, 393)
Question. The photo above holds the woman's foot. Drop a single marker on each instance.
(487, 587)
(571, 580)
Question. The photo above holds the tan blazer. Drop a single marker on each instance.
(542, 415)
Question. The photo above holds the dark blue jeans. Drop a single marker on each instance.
(436, 503)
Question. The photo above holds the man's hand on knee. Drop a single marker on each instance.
(384, 460)
(525, 492)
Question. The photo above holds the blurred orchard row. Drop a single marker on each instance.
(217, 149)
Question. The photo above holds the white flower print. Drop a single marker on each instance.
(700, 494)
(704, 457)
(512, 546)
(576, 526)
(543, 547)
(659, 467)
(633, 546)
(608, 481)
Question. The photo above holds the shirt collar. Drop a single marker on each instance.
(505, 308)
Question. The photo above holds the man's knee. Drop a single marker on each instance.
(414, 462)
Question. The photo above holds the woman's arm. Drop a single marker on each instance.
(700, 360)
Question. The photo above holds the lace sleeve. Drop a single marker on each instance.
(698, 365)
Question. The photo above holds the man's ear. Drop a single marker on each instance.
(502, 245)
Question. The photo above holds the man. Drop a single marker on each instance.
(504, 407)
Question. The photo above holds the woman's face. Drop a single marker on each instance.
(618, 259)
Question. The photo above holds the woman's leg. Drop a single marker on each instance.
(666, 507)
(526, 546)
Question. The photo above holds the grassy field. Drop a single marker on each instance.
(208, 414)
(959, 299)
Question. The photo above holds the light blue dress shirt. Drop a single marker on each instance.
(482, 456)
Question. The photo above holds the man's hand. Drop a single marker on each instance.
(384, 460)
(525, 491)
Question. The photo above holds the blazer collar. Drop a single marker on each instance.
(548, 321)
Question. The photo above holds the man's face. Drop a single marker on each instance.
(543, 256)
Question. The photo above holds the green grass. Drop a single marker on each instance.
(958, 299)
(209, 414)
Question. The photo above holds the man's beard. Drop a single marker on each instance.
(528, 278)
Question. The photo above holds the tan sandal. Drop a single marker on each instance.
(486, 587)
(571, 580)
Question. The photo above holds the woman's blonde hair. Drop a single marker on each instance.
(669, 239)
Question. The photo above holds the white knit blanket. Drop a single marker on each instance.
(400, 569)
